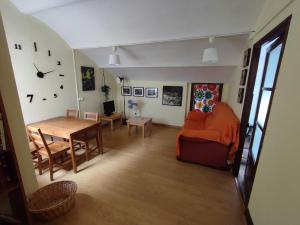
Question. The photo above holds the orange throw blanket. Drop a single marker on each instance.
(221, 126)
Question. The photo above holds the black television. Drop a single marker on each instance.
(109, 107)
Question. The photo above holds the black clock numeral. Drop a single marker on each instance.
(61, 75)
(58, 63)
(30, 96)
(18, 46)
(35, 46)
(61, 87)
(55, 95)
(44, 99)
(49, 53)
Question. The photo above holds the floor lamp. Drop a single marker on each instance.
(122, 80)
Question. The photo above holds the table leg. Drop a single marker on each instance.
(100, 139)
(129, 127)
(143, 130)
(111, 124)
(73, 154)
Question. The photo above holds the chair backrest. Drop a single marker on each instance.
(72, 113)
(91, 116)
(38, 139)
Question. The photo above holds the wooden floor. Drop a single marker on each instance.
(139, 181)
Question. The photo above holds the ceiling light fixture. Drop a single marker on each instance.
(114, 58)
(210, 55)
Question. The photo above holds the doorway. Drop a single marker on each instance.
(265, 65)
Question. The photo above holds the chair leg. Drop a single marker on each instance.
(87, 151)
(51, 168)
(39, 158)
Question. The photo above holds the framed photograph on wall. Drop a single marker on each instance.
(243, 77)
(88, 78)
(126, 91)
(151, 92)
(138, 91)
(240, 95)
(204, 96)
(247, 55)
(172, 95)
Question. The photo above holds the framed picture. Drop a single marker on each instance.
(243, 77)
(204, 96)
(138, 91)
(172, 95)
(240, 95)
(151, 92)
(126, 91)
(246, 60)
(88, 78)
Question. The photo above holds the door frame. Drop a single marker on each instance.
(280, 30)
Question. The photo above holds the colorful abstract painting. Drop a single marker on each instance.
(205, 96)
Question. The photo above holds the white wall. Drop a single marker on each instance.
(92, 100)
(275, 196)
(152, 107)
(234, 89)
(159, 76)
(14, 116)
(25, 30)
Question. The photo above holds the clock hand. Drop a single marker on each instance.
(36, 68)
(49, 72)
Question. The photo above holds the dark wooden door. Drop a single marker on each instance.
(267, 55)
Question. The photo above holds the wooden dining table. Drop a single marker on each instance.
(63, 127)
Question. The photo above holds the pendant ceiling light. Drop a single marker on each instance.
(114, 58)
(210, 55)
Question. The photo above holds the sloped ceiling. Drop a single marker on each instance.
(102, 23)
(187, 53)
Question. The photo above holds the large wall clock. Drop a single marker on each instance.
(53, 69)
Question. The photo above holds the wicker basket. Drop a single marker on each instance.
(52, 200)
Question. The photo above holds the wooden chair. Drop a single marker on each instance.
(55, 152)
(72, 113)
(91, 116)
(37, 159)
(87, 135)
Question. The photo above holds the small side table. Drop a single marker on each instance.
(144, 122)
(111, 119)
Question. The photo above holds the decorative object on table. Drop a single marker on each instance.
(126, 91)
(204, 96)
(243, 77)
(151, 92)
(240, 95)
(210, 55)
(105, 88)
(247, 55)
(88, 78)
(109, 108)
(133, 105)
(172, 95)
(138, 91)
(53, 200)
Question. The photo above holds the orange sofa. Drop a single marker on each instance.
(209, 138)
